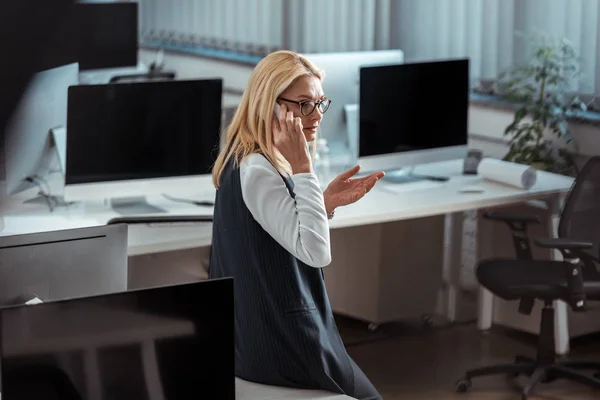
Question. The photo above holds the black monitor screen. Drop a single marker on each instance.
(412, 107)
(96, 35)
(171, 342)
(142, 130)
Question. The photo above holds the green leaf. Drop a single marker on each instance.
(520, 114)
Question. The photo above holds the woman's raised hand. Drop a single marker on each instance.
(345, 189)
(290, 140)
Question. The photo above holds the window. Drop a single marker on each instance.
(482, 30)
(486, 32)
(245, 26)
(260, 26)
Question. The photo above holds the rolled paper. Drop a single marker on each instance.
(518, 175)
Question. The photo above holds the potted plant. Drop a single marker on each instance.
(539, 133)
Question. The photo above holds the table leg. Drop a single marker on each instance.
(92, 374)
(561, 311)
(561, 328)
(151, 373)
(485, 309)
(453, 231)
(485, 299)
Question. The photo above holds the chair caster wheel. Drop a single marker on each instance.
(463, 385)
(373, 327)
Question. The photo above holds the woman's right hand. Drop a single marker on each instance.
(290, 141)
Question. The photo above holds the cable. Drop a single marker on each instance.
(56, 200)
(432, 178)
(200, 203)
(41, 193)
(40, 179)
(411, 172)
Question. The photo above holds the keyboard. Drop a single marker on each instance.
(409, 186)
(162, 220)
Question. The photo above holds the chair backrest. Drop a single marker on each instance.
(580, 218)
(150, 76)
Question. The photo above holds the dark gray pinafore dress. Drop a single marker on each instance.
(285, 333)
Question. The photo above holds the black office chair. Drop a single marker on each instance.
(155, 73)
(574, 280)
(150, 76)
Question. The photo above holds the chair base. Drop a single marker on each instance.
(537, 373)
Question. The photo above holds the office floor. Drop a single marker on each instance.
(410, 362)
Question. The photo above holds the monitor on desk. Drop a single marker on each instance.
(63, 264)
(412, 114)
(24, 33)
(126, 141)
(42, 107)
(341, 84)
(170, 342)
(97, 36)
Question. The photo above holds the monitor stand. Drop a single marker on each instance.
(52, 162)
(134, 206)
(402, 175)
(50, 200)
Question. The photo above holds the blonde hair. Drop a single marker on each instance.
(250, 130)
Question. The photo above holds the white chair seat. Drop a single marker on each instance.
(245, 390)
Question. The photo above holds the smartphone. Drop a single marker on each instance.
(471, 162)
(276, 108)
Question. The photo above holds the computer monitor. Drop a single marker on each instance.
(96, 35)
(63, 264)
(42, 107)
(341, 86)
(106, 34)
(413, 113)
(129, 140)
(24, 34)
(170, 342)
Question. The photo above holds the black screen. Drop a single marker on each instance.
(96, 35)
(411, 107)
(174, 341)
(142, 130)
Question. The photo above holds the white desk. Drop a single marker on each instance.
(389, 202)
(23, 218)
(385, 203)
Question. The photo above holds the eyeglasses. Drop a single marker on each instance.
(307, 107)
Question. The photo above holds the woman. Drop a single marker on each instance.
(271, 233)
